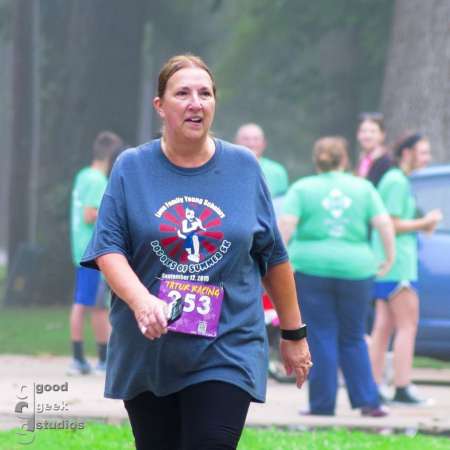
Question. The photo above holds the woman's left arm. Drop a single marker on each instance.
(280, 285)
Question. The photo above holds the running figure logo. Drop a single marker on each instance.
(189, 227)
(191, 233)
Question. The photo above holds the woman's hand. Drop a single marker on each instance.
(151, 317)
(432, 218)
(296, 358)
(384, 267)
(150, 312)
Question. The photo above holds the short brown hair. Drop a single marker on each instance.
(106, 144)
(177, 63)
(329, 153)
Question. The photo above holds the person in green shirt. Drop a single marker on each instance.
(252, 136)
(325, 220)
(90, 289)
(397, 302)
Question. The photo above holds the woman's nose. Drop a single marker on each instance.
(195, 101)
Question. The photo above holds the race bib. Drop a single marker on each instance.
(202, 306)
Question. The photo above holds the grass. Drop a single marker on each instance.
(337, 439)
(108, 437)
(93, 436)
(422, 362)
(39, 331)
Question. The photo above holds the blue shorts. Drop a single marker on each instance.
(90, 288)
(385, 290)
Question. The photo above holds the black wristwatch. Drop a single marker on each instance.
(294, 335)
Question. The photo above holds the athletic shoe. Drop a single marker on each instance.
(408, 396)
(100, 368)
(383, 398)
(78, 367)
(374, 411)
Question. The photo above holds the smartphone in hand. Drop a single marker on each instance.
(175, 311)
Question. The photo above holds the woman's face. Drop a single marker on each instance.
(370, 136)
(188, 105)
(421, 155)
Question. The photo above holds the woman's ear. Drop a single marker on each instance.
(157, 103)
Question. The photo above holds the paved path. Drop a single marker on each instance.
(84, 400)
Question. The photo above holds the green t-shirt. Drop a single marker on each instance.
(395, 190)
(276, 176)
(331, 239)
(88, 190)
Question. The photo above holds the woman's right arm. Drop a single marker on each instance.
(150, 311)
(427, 223)
(395, 192)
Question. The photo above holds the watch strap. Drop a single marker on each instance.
(294, 335)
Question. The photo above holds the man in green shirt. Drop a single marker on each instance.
(252, 136)
(90, 289)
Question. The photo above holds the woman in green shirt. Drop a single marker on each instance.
(325, 221)
(397, 303)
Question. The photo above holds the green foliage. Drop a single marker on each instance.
(302, 69)
(106, 437)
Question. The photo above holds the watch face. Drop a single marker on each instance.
(175, 311)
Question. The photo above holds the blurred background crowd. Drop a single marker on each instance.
(300, 69)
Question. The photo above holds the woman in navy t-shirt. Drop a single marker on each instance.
(188, 384)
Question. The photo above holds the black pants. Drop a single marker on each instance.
(205, 416)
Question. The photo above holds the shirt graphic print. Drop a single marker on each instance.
(336, 203)
(191, 233)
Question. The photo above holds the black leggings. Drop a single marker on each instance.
(205, 416)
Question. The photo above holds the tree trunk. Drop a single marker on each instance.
(5, 146)
(91, 83)
(21, 127)
(416, 92)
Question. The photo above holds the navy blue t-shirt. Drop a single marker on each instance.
(141, 216)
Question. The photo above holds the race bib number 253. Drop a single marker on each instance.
(202, 306)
